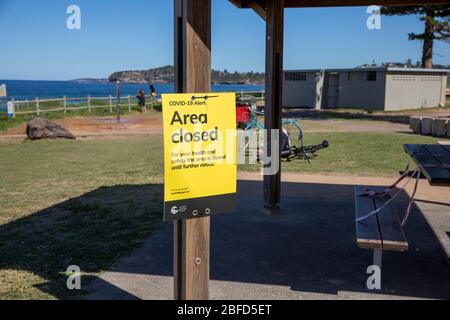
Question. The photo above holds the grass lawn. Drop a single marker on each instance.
(88, 202)
(363, 154)
(65, 203)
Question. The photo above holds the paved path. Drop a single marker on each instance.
(308, 252)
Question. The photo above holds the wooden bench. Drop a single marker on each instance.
(381, 231)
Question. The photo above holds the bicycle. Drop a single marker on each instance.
(292, 145)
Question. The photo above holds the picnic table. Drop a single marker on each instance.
(433, 160)
(378, 226)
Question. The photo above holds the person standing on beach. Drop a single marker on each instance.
(141, 101)
(152, 94)
(152, 90)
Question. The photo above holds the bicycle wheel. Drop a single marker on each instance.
(295, 133)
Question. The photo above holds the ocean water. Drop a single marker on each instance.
(23, 90)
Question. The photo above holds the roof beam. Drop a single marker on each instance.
(344, 3)
(258, 7)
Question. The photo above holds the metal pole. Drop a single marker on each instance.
(378, 260)
(38, 111)
(118, 101)
(377, 257)
(13, 108)
(152, 102)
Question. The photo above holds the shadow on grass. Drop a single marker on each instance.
(91, 231)
(309, 248)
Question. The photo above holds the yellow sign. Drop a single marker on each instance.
(200, 169)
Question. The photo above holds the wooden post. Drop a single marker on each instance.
(110, 104)
(129, 103)
(65, 104)
(274, 90)
(89, 103)
(118, 101)
(38, 111)
(192, 74)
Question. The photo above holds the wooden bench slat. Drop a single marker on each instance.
(431, 154)
(367, 232)
(435, 149)
(382, 230)
(435, 176)
(392, 235)
(413, 148)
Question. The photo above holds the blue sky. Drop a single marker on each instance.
(137, 34)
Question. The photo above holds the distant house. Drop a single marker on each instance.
(380, 88)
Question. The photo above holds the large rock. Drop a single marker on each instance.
(40, 128)
(439, 127)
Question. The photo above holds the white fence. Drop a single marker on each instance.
(38, 106)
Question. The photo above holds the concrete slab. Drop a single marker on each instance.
(439, 127)
(426, 126)
(448, 130)
(307, 252)
(437, 216)
(415, 124)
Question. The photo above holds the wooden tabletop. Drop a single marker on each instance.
(433, 160)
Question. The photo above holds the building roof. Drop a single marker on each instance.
(392, 69)
(335, 3)
(260, 6)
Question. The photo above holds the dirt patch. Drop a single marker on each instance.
(150, 124)
(98, 126)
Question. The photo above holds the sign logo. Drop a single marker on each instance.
(174, 210)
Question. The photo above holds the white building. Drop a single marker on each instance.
(380, 88)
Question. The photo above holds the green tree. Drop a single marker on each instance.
(436, 20)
